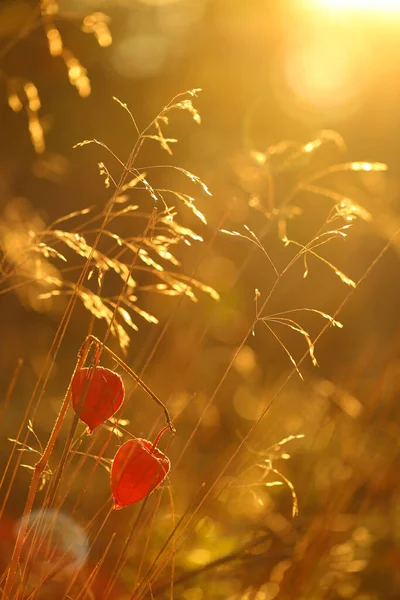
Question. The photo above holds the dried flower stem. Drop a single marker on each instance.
(138, 380)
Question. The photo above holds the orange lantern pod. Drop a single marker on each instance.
(137, 469)
(97, 394)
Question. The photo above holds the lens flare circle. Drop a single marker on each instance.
(54, 539)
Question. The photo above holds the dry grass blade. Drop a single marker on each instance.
(254, 240)
(309, 250)
(181, 231)
(134, 182)
(295, 327)
(188, 201)
(292, 360)
(295, 504)
(333, 321)
(282, 319)
(344, 208)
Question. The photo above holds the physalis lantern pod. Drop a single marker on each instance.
(137, 469)
(97, 394)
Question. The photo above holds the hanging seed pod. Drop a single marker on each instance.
(137, 469)
(97, 394)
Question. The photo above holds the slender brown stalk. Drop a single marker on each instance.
(96, 569)
(37, 475)
(10, 388)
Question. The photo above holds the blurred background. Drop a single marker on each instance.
(270, 72)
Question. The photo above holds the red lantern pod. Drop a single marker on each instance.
(97, 394)
(137, 469)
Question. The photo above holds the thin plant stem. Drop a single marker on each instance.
(10, 388)
(37, 474)
(138, 380)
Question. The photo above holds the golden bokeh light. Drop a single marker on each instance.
(320, 68)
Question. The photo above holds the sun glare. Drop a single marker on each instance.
(361, 5)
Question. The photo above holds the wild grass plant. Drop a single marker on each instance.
(226, 523)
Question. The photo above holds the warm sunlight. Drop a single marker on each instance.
(329, 59)
(199, 299)
(361, 5)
